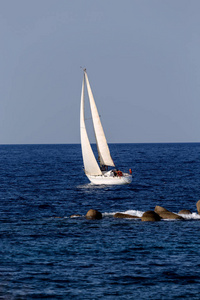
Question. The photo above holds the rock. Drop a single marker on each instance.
(169, 215)
(185, 212)
(166, 214)
(75, 216)
(150, 216)
(198, 206)
(127, 216)
(159, 209)
(94, 214)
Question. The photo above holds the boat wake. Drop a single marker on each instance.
(92, 186)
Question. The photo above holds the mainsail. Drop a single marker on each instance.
(102, 146)
(89, 160)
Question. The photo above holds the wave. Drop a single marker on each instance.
(138, 213)
(192, 216)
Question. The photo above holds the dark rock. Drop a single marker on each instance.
(150, 216)
(75, 216)
(125, 216)
(198, 207)
(166, 214)
(94, 214)
(185, 212)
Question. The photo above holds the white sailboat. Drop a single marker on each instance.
(98, 173)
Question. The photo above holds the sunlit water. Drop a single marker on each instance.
(46, 254)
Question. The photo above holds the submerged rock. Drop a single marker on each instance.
(94, 214)
(150, 216)
(125, 216)
(185, 212)
(198, 207)
(166, 214)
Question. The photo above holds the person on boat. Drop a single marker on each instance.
(130, 171)
(104, 168)
(115, 172)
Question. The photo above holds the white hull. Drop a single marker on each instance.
(108, 179)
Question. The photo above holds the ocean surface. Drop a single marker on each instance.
(45, 254)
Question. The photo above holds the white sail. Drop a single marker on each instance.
(102, 146)
(89, 160)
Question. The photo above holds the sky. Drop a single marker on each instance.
(142, 59)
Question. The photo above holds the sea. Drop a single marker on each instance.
(47, 254)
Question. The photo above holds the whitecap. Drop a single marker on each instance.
(193, 216)
(136, 213)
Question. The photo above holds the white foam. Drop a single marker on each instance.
(136, 213)
(193, 216)
(92, 186)
(139, 213)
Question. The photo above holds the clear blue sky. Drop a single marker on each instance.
(142, 59)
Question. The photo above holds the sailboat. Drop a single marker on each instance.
(105, 171)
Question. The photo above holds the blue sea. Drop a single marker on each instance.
(45, 254)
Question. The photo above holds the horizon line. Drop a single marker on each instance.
(18, 144)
